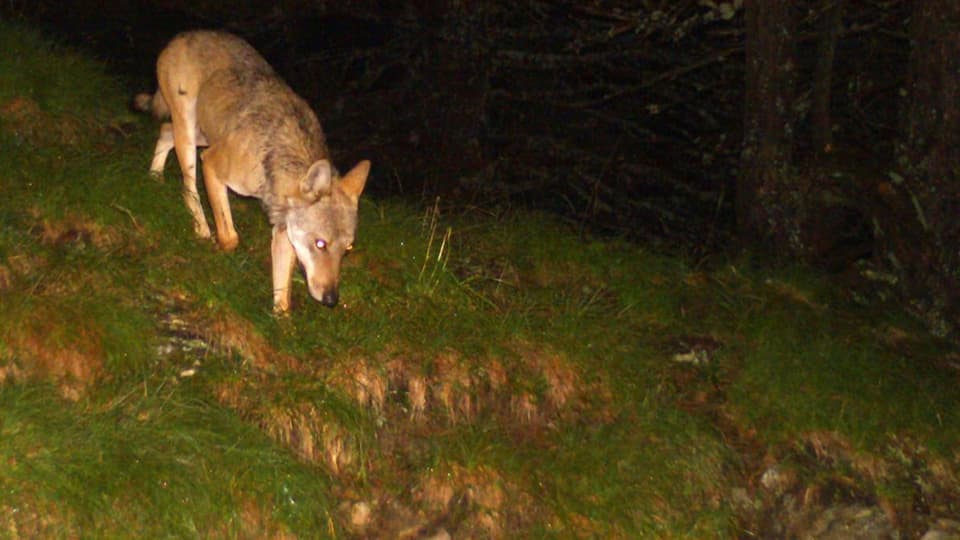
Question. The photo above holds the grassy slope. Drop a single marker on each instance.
(491, 375)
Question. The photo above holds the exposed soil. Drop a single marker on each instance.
(818, 486)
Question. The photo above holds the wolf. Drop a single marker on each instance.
(262, 140)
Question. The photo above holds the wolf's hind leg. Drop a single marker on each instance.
(164, 145)
(219, 200)
(185, 143)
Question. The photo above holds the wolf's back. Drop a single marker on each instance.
(191, 58)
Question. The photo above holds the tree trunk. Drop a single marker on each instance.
(822, 128)
(930, 258)
(769, 198)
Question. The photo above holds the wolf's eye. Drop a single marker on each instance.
(349, 247)
(321, 244)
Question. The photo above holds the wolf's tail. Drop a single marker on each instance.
(153, 104)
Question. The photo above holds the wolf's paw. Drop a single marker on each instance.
(228, 243)
(202, 230)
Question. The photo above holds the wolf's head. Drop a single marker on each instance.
(322, 232)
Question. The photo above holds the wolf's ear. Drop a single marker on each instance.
(318, 180)
(352, 183)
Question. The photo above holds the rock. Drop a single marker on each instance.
(360, 514)
(943, 529)
(855, 522)
(742, 502)
(440, 534)
(777, 479)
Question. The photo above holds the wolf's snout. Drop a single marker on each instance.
(327, 295)
(329, 298)
(324, 295)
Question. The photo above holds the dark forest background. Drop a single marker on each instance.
(820, 131)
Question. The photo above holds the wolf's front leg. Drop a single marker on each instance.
(284, 259)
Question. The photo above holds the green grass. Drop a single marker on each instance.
(850, 379)
(491, 373)
(152, 463)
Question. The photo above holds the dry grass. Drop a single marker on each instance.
(312, 435)
(366, 383)
(308, 430)
(541, 386)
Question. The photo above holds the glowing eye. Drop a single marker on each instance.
(349, 247)
(321, 243)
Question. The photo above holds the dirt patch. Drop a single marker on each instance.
(45, 338)
(477, 502)
(231, 333)
(451, 501)
(75, 230)
(74, 233)
(17, 266)
(33, 518)
(45, 347)
(258, 522)
(820, 485)
(25, 118)
(188, 328)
